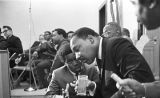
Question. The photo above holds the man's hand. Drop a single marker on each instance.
(17, 60)
(91, 86)
(137, 87)
(35, 54)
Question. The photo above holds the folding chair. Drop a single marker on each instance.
(28, 67)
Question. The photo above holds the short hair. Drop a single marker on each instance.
(70, 57)
(113, 25)
(84, 32)
(61, 31)
(8, 27)
(70, 32)
(126, 32)
(47, 32)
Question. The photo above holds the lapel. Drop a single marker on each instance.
(106, 67)
(104, 43)
(102, 64)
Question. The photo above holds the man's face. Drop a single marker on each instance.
(110, 32)
(47, 36)
(70, 36)
(83, 49)
(146, 15)
(55, 37)
(75, 65)
(6, 32)
(41, 38)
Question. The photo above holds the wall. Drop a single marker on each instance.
(47, 15)
(129, 18)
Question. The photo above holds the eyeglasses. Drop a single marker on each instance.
(5, 31)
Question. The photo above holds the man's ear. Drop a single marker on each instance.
(90, 37)
(151, 3)
(61, 35)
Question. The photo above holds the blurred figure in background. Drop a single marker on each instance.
(126, 34)
(69, 35)
(112, 29)
(148, 13)
(47, 35)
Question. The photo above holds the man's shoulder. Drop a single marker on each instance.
(64, 42)
(60, 70)
(91, 67)
(13, 37)
(115, 41)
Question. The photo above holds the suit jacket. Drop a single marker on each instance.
(62, 49)
(121, 57)
(3, 43)
(14, 45)
(152, 89)
(46, 50)
(34, 46)
(62, 76)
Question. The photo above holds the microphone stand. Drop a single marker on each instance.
(30, 88)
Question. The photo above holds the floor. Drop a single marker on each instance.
(19, 92)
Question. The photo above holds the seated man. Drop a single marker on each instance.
(112, 29)
(67, 74)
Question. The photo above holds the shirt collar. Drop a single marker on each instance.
(70, 70)
(100, 49)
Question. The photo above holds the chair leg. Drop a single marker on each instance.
(11, 79)
(34, 79)
(20, 75)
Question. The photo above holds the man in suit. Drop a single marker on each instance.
(59, 40)
(14, 44)
(62, 45)
(148, 13)
(116, 55)
(44, 54)
(63, 76)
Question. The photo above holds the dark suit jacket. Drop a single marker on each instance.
(3, 43)
(62, 49)
(34, 46)
(46, 50)
(62, 76)
(121, 57)
(152, 89)
(14, 45)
